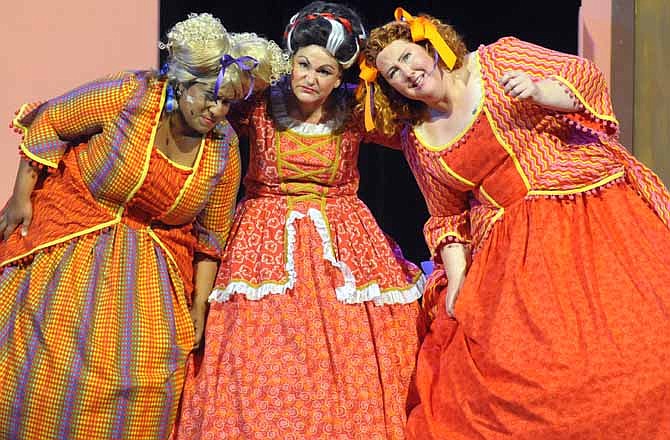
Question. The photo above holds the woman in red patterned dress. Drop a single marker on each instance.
(123, 202)
(312, 329)
(559, 325)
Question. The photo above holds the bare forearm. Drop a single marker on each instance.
(554, 96)
(26, 179)
(455, 260)
(205, 275)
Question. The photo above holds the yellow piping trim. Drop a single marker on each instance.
(336, 162)
(445, 235)
(606, 180)
(23, 147)
(467, 128)
(150, 146)
(507, 148)
(173, 163)
(62, 240)
(579, 96)
(189, 179)
(499, 214)
(180, 283)
(454, 174)
(488, 197)
(37, 158)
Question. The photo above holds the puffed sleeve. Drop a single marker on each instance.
(449, 220)
(579, 77)
(49, 127)
(212, 225)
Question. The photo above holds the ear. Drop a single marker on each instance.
(338, 82)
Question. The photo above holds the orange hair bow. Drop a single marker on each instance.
(369, 76)
(422, 29)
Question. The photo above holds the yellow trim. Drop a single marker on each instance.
(189, 179)
(488, 197)
(23, 147)
(579, 96)
(37, 159)
(499, 214)
(175, 266)
(173, 163)
(458, 236)
(507, 148)
(606, 180)
(336, 162)
(467, 128)
(454, 174)
(150, 146)
(62, 240)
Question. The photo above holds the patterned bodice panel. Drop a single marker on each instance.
(288, 162)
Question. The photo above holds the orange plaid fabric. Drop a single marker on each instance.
(94, 322)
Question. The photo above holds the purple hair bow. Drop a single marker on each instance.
(244, 63)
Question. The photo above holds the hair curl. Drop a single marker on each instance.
(196, 45)
(390, 107)
(273, 63)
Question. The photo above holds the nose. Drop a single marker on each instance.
(310, 76)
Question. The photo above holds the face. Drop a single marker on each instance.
(199, 108)
(315, 74)
(409, 69)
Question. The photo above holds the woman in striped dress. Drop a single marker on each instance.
(558, 327)
(121, 209)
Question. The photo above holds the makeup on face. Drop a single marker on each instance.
(200, 109)
(315, 74)
(408, 68)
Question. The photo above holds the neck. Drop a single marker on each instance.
(310, 113)
(455, 84)
(178, 126)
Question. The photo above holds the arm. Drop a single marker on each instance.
(547, 92)
(48, 127)
(19, 210)
(455, 257)
(212, 227)
(205, 274)
(572, 87)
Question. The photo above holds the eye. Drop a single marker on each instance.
(405, 57)
(303, 64)
(325, 72)
(391, 73)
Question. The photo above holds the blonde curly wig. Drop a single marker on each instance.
(390, 107)
(196, 45)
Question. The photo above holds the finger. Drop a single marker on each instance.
(25, 224)
(9, 229)
(525, 94)
(508, 76)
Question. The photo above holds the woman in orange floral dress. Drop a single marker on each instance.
(312, 329)
(124, 201)
(561, 327)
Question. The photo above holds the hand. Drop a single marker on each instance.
(19, 211)
(519, 85)
(453, 290)
(198, 316)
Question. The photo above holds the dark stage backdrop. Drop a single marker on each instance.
(387, 185)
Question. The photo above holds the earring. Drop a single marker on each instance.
(171, 103)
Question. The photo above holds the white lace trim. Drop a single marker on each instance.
(346, 293)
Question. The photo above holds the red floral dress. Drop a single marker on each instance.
(313, 327)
